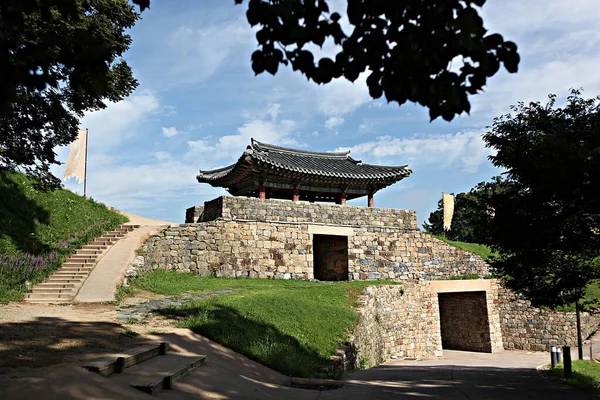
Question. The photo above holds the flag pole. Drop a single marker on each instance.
(85, 165)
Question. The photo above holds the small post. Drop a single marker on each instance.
(558, 355)
(120, 365)
(296, 194)
(568, 367)
(591, 350)
(370, 201)
(579, 339)
(553, 357)
(85, 164)
(163, 348)
(262, 191)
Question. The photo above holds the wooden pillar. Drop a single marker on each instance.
(342, 199)
(371, 202)
(296, 195)
(262, 191)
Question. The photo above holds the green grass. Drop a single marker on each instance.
(586, 375)
(123, 292)
(478, 249)
(38, 229)
(292, 326)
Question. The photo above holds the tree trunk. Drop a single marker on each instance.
(579, 339)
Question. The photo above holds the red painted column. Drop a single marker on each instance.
(343, 198)
(371, 202)
(296, 195)
(262, 191)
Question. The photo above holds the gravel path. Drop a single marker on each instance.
(138, 313)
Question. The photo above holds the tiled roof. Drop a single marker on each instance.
(312, 164)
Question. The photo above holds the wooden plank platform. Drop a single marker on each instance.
(165, 373)
(117, 363)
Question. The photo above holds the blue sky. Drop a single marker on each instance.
(199, 103)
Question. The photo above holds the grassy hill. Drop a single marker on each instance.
(38, 229)
(292, 326)
(478, 249)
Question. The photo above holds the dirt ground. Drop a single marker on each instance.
(40, 335)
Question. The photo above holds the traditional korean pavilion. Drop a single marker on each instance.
(267, 171)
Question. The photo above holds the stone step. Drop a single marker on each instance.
(70, 276)
(38, 289)
(47, 301)
(77, 264)
(49, 297)
(55, 285)
(79, 260)
(74, 270)
(85, 252)
(111, 239)
(84, 256)
(161, 373)
(116, 364)
(109, 235)
(104, 243)
(94, 247)
(65, 280)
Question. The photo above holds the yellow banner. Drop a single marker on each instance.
(76, 162)
(448, 201)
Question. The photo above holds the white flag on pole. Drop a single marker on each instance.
(448, 201)
(76, 162)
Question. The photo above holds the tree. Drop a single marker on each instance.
(546, 221)
(59, 59)
(470, 214)
(409, 47)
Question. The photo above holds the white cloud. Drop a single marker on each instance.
(464, 150)
(269, 128)
(199, 146)
(333, 122)
(199, 52)
(193, 127)
(558, 42)
(118, 122)
(161, 155)
(169, 132)
(340, 96)
(365, 127)
(169, 110)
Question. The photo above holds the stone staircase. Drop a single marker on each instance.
(149, 368)
(65, 282)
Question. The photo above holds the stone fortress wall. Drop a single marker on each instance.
(246, 237)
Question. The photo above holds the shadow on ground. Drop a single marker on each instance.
(49, 340)
(257, 340)
(452, 382)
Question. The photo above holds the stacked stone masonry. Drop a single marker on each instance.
(247, 208)
(398, 321)
(285, 250)
(246, 237)
(525, 327)
(464, 322)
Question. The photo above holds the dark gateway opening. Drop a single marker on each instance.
(464, 321)
(330, 257)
